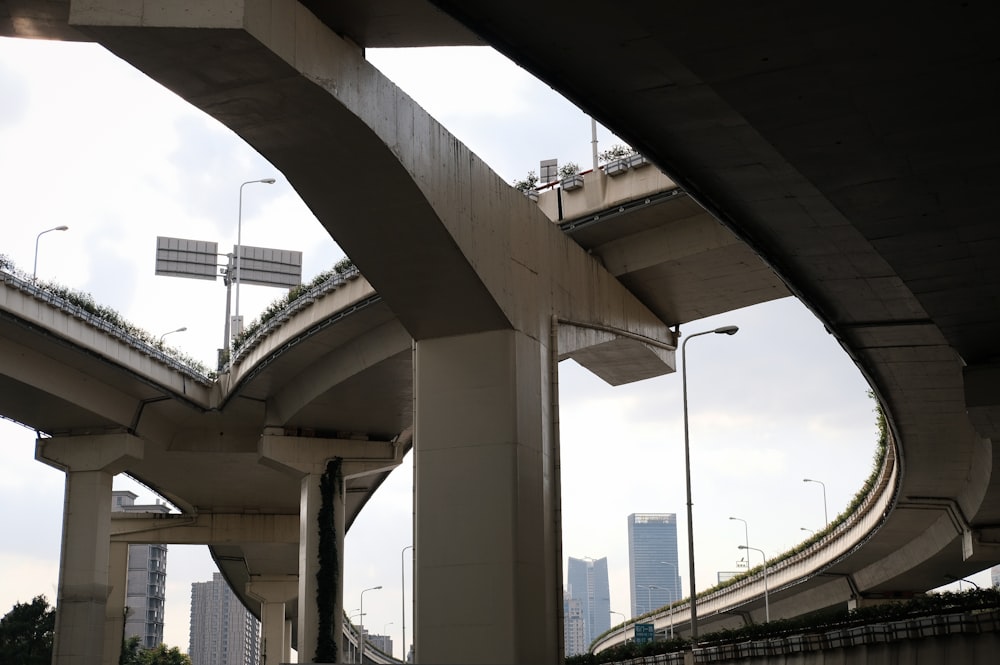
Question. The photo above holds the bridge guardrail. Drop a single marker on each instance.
(135, 342)
(302, 301)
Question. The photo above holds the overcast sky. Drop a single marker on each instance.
(88, 142)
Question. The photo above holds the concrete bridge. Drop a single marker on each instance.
(811, 135)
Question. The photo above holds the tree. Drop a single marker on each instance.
(134, 654)
(616, 152)
(163, 655)
(528, 183)
(26, 633)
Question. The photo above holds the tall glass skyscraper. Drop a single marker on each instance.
(652, 561)
(588, 583)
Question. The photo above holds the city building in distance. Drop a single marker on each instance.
(381, 642)
(223, 632)
(654, 577)
(588, 584)
(146, 588)
(574, 641)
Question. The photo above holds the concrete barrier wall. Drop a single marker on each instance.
(969, 639)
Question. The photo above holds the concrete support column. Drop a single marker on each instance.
(308, 458)
(486, 543)
(311, 501)
(273, 594)
(90, 463)
(114, 617)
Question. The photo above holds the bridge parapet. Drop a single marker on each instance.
(601, 192)
(36, 305)
(970, 637)
(301, 302)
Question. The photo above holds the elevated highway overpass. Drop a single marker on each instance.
(811, 135)
(332, 371)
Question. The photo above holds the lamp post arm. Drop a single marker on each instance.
(724, 330)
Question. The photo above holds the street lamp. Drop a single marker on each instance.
(350, 617)
(724, 330)
(767, 607)
(746, 536)
(811, 531)
(826, 518)
(239, 239)
(402, 589)
(624, 639)
(361, 628)
(649, 595)
(181, 329)
(952, 578)
(34, 272)
(676, 592)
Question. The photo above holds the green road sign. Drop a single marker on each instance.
(644, 633)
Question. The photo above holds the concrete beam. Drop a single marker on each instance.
(302, 455)
(203, 529)
(344, 135)
(51, 376)
(339, 365)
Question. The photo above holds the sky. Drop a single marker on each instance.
(88, 142)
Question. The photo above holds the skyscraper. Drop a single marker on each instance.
(146, 587)
(652, 561)
(588, 583)
(223, 632)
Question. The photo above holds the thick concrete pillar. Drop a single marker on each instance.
(273, 593)
(486, 558)
(90, 463)
(307, 458)
(114, 617)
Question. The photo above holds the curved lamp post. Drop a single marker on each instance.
(649, 595)
(767, 606)
(361, 628)
(826, 518)
(724, 330)
(746, 536)
(34, 271)
(350, 617)
(181, 329)
(624, 619)
(402, 589)
(676, 592)
(239, 240)
(952, 578)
